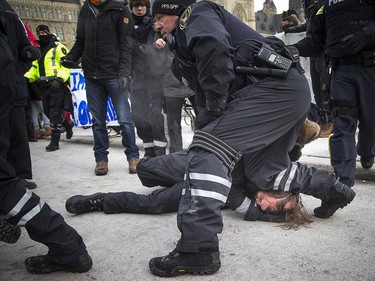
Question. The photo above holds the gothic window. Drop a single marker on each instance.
(62, 35)
(55, 15)
(44, 13)
(40, 12)
(70, 15)
(59, 14)
(18, 10)
(27, 11)
(35, 12)
(50, 14)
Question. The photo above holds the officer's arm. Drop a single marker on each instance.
(313, 45)
(210, 45)
(125, 29)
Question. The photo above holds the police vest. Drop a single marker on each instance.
(344, 18)
(52, 67)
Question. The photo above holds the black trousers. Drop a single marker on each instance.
(19, 206)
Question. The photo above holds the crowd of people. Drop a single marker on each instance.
(253, 111)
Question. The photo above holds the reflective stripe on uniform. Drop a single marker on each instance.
(242, 209)
(160, 143)
(32, 213)
(20, 204)
(288, 181)
(210, 194)
(148, 144)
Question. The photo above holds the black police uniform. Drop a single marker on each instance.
(18, 205)
(352, 79)
(261, 121)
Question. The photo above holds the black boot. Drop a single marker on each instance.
(80, 204)
(47, 264)
(55, 137)
(9, 233)
(339, 196)
(367, 162)
(68, 125)
(177, 263)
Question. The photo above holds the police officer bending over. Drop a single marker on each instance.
(346, 30)
(253, 101)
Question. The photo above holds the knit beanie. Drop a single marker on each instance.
(42, 27)
(170, 7)
(134, 3)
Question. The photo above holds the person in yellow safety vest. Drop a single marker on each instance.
(51, 77)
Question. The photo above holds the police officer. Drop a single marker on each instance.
(52, 78)
(346, 30)
(19, 206)
(255, 124)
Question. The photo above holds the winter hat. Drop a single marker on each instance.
(288, 13)
(170, 7)
(134, 3)
(42, 27)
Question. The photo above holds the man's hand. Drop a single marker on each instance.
(68, 63)
(205, 117)
(123, 82)
(354, 43)
(30, 53)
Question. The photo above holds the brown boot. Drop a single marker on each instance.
(47, 131)
(101, 168)
(133, 166)
(326, 129)
(308, 132)
(38, 134)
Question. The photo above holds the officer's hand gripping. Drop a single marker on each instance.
(354, 43)
(68, 63)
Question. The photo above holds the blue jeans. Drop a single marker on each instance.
(97, 92)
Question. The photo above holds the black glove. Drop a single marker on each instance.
(285, 28)
(68, 63)
(30, 53)
(256, 213)
(123, 82)
(55, 84)
(354, 43)
(205, 117)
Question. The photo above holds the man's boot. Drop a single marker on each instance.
(47, 264)
(177, 263)
(38, 133)
(55, 137)
(68, 125)
(367, 162)
(80, 204)
(47, 132)
(9, 233)
(339, 196)
(133, 166)
(308, 132)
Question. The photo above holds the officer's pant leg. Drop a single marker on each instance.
(199, 218)
(158, 202)
(302, 179)
(24, 208)
(164, 170)
(19, 151)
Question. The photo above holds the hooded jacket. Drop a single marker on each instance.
(104, 40)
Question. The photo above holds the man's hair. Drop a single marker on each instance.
(293, 217)
(297, 216)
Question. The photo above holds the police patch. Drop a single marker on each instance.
(184, 18)
(125, 20)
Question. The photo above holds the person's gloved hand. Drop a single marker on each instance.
(55, 84)
(354, 43)
(30, 53)
(205, 117)
(256, 213)
(68, 63)
(285, 28)
(123, 82)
